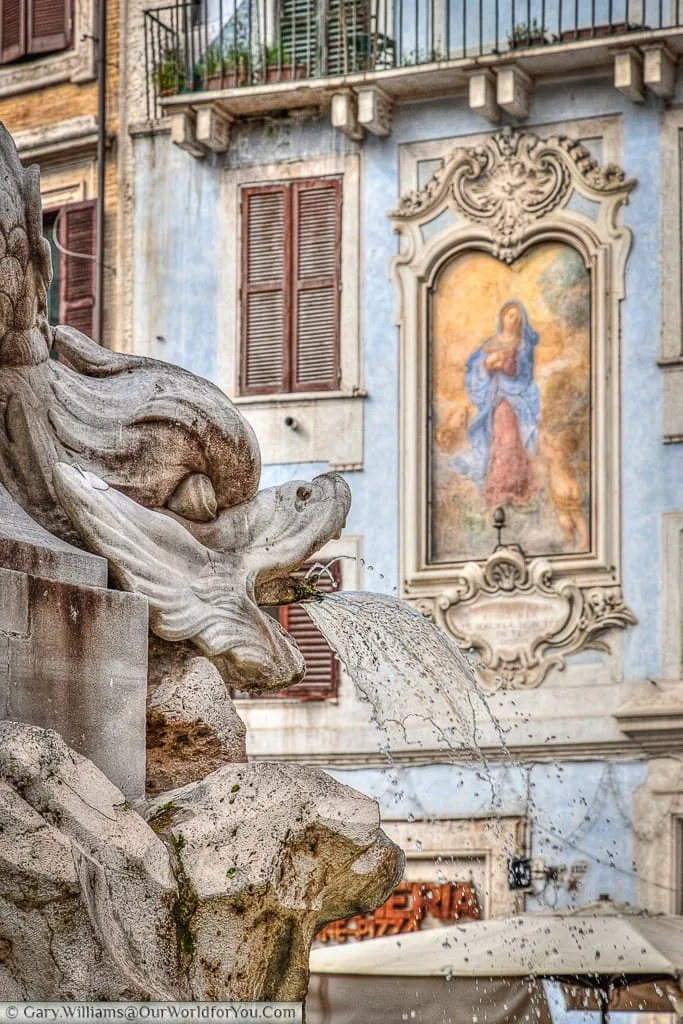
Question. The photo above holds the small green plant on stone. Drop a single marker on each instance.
(231, 62)
(532, 34)
(169, 76)
(277, 56)
(163, 817)
(211, 63)
(236, 58)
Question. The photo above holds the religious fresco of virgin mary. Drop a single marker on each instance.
(510, 394)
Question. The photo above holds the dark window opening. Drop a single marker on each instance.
(70, 231)
(49, 223)
(678, 868)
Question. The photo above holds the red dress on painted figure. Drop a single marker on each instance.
(503, 433)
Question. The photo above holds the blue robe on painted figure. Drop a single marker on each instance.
(503, 433)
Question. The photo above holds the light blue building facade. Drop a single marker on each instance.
(584, 777)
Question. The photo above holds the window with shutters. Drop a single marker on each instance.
(30, 28)
(327, 38)
(321, 681)
(290, 287)
(70, 231)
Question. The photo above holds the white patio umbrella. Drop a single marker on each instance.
(604, 946)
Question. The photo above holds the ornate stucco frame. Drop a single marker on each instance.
(504, 195)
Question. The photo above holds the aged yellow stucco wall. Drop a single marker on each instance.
(48, 106)
(41, 107)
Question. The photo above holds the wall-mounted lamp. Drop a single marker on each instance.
(499, 524)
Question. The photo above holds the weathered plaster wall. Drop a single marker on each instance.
(178, 228)
(177, 236)
(580, 809)
(652, 474)
(577, 812)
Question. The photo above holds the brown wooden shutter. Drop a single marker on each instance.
(290, 293)
(49, 25)
(316, 283)
(322, 668)
(12, 30)
(77, 225)
(265, 295)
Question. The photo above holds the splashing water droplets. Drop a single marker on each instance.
(421, 687)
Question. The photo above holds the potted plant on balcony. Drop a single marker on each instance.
(532, 34)
(277, 66)
(225, 68)
(168, 76)
(594, 31)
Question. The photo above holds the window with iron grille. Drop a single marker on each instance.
(290, 288)
(321, 681)
(71, 298)
(33, 27)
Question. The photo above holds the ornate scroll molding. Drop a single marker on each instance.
(502, 195)
(510, 182)
(522, 619)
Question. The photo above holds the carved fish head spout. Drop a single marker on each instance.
(294, 521)
(281, 527)
(200, 579)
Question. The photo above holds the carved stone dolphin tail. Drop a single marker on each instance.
(146, 426)
(157, 432)
(87, 357)
(25, 266)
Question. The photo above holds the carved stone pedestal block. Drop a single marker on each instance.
(75, 659)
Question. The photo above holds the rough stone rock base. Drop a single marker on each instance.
(265, 854)
(192, 725)
(86, 887)
(217, 896)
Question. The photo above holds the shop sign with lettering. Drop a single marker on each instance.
(406, 910)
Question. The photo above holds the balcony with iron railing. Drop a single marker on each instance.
(272, 54)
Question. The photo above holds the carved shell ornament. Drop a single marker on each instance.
(510, 181)
(523, 619)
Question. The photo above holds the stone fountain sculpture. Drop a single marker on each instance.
(214, 884)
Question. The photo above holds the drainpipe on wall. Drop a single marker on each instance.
(101, 156)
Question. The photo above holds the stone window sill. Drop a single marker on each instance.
(298, 397)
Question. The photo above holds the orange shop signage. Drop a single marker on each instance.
(406, 909)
